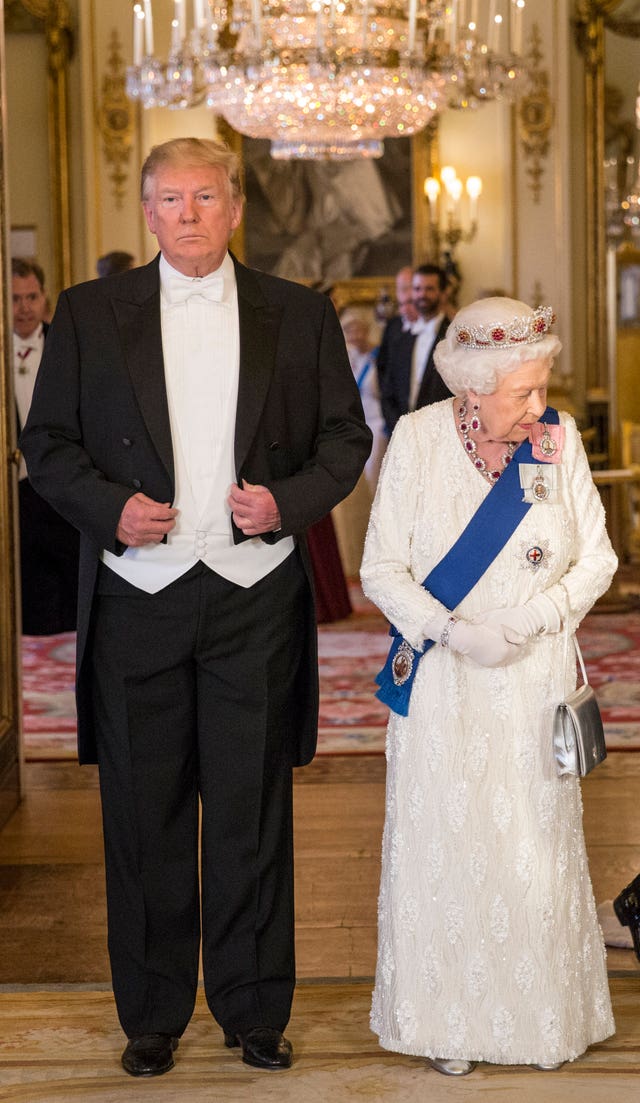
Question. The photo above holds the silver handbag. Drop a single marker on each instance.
(578, 734)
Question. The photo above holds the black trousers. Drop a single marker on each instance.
(192, 702)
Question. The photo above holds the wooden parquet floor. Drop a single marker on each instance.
(60, 1037)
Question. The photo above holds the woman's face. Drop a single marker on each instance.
(518, 402)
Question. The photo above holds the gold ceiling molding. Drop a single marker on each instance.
(535, 114)
(115, 120)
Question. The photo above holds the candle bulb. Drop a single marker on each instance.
(198, 15)
(148, 28)
(453, 25)
(319, 33)
(179, 17)
(411, 31)
(517, 28)
(138, 18)
(474, 191)
(256, 16)
(455, 191)
(491, 28)
(365, 23)
(432, 191)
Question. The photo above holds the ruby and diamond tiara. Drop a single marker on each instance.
(519, 331)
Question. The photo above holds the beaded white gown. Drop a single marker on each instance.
(489, 945)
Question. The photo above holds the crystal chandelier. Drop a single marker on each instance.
(327, 79)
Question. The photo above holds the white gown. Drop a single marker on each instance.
(489, 945)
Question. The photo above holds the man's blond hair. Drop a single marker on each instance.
(192, 153)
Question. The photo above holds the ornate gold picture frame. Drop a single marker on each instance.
(307, 221)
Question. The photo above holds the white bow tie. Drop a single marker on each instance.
(180, 288)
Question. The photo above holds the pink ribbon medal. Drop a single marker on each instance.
(547, 442)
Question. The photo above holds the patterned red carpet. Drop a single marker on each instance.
(351, 653)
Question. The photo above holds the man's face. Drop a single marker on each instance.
(406, 309)
(427, 296)
(192, 214)
(29, 304)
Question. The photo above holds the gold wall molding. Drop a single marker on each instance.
(115, 120)
(535, 115)
(589, 27)
(53, 19)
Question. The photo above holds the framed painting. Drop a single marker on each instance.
(343, 227)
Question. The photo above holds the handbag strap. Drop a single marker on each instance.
(583, 668)
(581, 661)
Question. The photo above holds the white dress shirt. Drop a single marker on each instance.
(426, 331)
(201, 350)
(27, 354)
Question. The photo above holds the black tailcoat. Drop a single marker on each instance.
(99, 431)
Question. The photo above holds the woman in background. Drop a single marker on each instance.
(356, 326)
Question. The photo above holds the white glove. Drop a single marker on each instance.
(521, 622)
(483, 644)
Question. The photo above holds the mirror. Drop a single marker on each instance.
(622, 212)
(608, 32)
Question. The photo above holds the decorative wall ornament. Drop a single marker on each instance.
(115, 120)
(535, 114)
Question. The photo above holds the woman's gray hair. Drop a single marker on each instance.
(467, 368)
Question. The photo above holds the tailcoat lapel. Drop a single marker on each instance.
(259, 323)
(138, 320)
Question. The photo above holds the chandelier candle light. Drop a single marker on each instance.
(326, 79)
(445, 225)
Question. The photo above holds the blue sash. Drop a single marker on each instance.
(366, 368)
(491, 526)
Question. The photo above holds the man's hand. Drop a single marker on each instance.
(144, 521)
(254, 509)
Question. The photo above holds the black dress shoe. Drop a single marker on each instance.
(627, 908)
(149, 1054)
(263, 1047)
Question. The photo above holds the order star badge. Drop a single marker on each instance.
(534, 556)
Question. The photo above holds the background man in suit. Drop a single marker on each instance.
(206, 416)
(48, 544)
(409, 378)
(400, 322)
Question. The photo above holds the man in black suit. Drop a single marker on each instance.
(48, 543)
(409, 378)
(192, 418)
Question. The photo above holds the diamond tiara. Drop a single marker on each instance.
(519, 331)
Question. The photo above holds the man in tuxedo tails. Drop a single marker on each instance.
(206, 416)
(48, 544)
(409, 378)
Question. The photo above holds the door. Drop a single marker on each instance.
(10, 689)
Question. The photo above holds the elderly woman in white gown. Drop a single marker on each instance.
(489, 945)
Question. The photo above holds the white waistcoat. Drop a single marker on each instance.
(201, 352)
